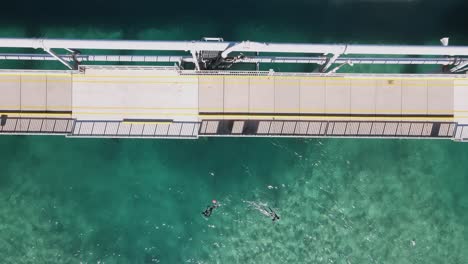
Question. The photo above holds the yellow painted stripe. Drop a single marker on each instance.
(322, 117)
(137, 108)
(255, 79)
(134, 82)
(265, 117)
(205, 77)
(37, 81)
(36, 114)
(29, 107)
(226, 110)
(68, 75)
(140, 123)
(237, 115)
(79, 76)
(256, 82)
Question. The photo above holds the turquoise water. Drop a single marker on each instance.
(140, 201)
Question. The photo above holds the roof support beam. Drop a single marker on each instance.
(330, 61)
(58, 58)
(459, 67)
(195, 59)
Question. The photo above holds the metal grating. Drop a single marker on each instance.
(137, 129)
(121, 129)
(124, 129)
(99, 128)
(187, 129)
(175, 129)
(149, 130)
(237, 127)
(461, 133)
(416, 129)
(352, 128)
(162, 129)
(87, 128)
(464, 133)
(301, 128)
(451, 129)
(212, 127)
(339, 128)
(111, 128)
(48, 125)
(378, 128)
(264, 127)
(23, 124)
(427, 129)
(390, 129)
(234, 128)
(289, 128)
(328, 128)
(19, 125)
(323, 127)
(365, 128)
(276, 127)
(315, 128)
(403, 129)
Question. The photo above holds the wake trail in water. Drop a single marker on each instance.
(259, 207)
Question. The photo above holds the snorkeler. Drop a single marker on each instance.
(263, 209)
(210, 208)
(273, 215)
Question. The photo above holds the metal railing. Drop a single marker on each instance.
(297, 128)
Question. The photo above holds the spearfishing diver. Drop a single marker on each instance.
(273, 215)
(265, 210)
(210, 208)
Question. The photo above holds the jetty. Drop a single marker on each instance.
(213, 87)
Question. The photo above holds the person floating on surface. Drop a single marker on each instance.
(265, 210)
(273, 215)
(210, 208)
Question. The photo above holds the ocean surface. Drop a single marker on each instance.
(140, 201)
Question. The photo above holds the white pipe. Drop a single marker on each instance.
(352, 49)
(112, 44)
(228, 47)
(247, 46)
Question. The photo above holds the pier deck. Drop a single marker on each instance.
(165, 102)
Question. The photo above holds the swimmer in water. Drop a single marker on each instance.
(273, 215)
(210, 208)
(266, 211)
